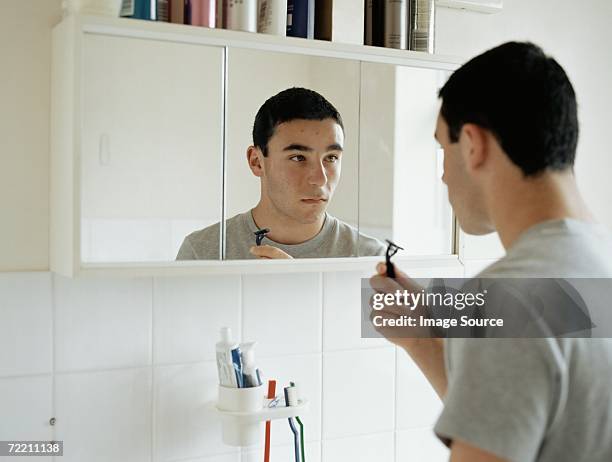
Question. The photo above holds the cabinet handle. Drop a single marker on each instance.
(104, 149)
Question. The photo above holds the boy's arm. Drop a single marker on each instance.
(427, 353)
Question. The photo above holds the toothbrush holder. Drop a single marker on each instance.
(240, 401)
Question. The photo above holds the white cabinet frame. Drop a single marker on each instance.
(66, 99)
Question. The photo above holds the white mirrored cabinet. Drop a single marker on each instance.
(151, 124)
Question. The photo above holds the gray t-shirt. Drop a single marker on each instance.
(336, 239)
(506, 396)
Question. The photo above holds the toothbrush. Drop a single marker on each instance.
(301, 438)
(291, 400)
(271, 395)
(299, 421)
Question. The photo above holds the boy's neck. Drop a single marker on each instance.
(284, 229)
(550, 196)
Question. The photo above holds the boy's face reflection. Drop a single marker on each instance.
(302, 168)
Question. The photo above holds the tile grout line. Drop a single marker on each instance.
(322, 308)
(181, 363)
(242, 452)
(28, 375)
(184, 363)
(53, 358)
(199, 458)
(395, 390)
(114, 369)
(241, 307)
(153, 383)
(365, 435)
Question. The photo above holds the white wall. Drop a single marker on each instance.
(377, 148)
(25, 53)
(126, 365)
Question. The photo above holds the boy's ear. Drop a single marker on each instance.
(255, 160)
(473, 143)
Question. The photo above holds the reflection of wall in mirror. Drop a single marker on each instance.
(422, 218)
(254, 76)
(376, 150)
(151, 146)
(401, 194)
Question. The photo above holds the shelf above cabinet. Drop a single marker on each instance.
(223, 37)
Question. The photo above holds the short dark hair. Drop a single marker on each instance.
(291, 104)
(524, 98)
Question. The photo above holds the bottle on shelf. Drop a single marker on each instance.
(157, 10)
(374, 23)
(200, 12)
(421, 34)
(137, 9)
(300, 18)
(272, 17)
(177, 11)
(339, 21)
(162, 12)
(240, 15)
(396, 18)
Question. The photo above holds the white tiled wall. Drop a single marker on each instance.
(419, 445)
(187, 313)
(377, 447)
(185, 422)
(105, 415)
(358, 392)
(25, 324)
(285, 311)
(26, 404)
(102, 323)
(126, 366)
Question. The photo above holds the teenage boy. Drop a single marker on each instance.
(508, 126)
(298, 139)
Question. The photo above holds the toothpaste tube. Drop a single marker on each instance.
(229, 364)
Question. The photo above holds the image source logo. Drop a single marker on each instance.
(494, 308)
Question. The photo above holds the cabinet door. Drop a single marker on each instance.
(151, 146)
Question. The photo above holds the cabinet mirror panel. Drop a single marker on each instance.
(332, 156)
(401, 194)
(292, 168)
(151, 147)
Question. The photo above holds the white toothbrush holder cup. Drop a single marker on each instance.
(240, 402)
